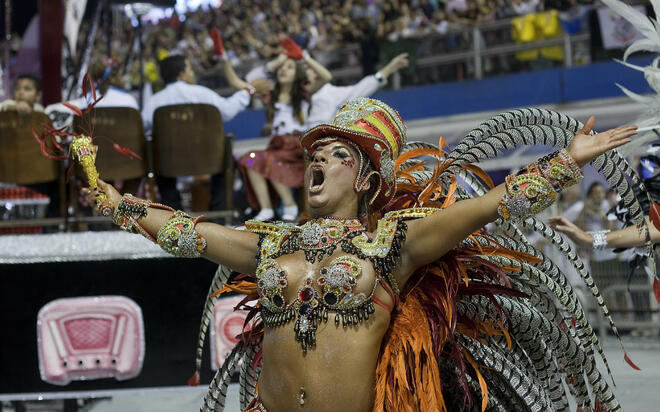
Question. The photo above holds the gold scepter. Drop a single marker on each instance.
(82, 150)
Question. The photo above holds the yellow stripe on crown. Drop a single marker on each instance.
(377, 123)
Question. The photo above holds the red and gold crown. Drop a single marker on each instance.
(375, 128)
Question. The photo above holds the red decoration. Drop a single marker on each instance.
(654, 212)
(194, 380)
(218, 47)
(52, 149)
(630, 362)
(291, 49)
(306, 294)
(656, 290)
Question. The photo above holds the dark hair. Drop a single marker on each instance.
(104, 76)
(171, 67)
(298, 94)
(34, 79)
(592, 186)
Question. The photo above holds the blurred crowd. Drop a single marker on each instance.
(343, 34)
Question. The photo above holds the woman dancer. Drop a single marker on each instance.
(333, 330)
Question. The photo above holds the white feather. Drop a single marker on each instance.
(630, 65)
(652, 45)
(638, 145)
(638, 97)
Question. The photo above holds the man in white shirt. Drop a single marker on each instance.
(327, 99)
(180, 88)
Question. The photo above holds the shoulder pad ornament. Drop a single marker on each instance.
(382, 243)
(273, 235)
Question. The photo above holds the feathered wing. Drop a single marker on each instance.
(220, 278)
(646, 26)
(502, 320)
(214, 401)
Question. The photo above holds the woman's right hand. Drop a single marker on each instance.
(570, 229)
(113, 195)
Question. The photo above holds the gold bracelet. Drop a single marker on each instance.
(179, 237)
(130, 210)
(536, 187)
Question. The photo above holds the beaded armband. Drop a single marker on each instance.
(599, 237)
(179, 237)
(536, 187)
(130, 210)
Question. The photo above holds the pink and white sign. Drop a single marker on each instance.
(616, 31)
(90, 338)
(226, 325)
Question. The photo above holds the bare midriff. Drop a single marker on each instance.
(338, 374)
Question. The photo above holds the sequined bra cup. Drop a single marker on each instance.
(329, 293)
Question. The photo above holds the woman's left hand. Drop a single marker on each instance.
(585, 147)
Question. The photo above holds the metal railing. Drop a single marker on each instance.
(652, 310)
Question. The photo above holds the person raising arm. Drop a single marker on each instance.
(623, 238)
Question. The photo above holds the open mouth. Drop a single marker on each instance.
(316, 180)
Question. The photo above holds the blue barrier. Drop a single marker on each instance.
(561, 85)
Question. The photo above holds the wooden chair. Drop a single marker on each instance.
(189, 140)
(21, 160)
(122, 125)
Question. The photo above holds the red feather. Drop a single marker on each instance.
(91, 85)
(656, 290)
(53, 140)
(194, 380)
(654, 212)
(75, 109)
(126, 151)
(630, 362)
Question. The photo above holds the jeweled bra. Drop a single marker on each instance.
(330, 290)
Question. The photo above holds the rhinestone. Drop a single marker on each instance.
(311, 235)
(305, 310)
(306, 294)
(330, 298)
(278, 301)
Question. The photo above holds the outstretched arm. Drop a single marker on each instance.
(431, 237)
(324, 74)
(233, 248)
(397, 63)
(626, 237)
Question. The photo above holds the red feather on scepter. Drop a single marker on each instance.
(51, 148)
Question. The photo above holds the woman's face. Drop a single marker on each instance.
(287, 72)
(312, 78)
(330, 177)
(596, 195)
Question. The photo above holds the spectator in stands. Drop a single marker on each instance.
(180, 88)
(627, 237)
(27, 94)
(281, 164)
(109, 84)
(327, 98)
(606, 268)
